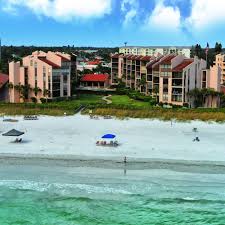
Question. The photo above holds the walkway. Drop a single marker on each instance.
(108, 101)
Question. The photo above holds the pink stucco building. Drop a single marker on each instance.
(41, 75)
(168, 78)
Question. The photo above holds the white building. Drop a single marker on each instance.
(156, 50)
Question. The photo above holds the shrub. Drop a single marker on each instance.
(33, 99)
(160, 104)
(43, 100)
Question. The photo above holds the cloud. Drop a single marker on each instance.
(130, 10)
(206, 13)
(62, 10)
(164, 17)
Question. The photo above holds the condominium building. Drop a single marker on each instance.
(169, 78)
(156, 50)
(220, 61)
(116, 67)
(41, 75)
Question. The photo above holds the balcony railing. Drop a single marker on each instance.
(177, 98)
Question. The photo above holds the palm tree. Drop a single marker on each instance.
(156, 92)
(204, 93)
(196, 95)
(46, 94)
(10, 85)
(211, 93)
(36, 90)
(20, 88)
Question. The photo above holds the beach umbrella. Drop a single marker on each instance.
(13, 133)
(108, 136)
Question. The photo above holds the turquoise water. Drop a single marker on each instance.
(83, 196)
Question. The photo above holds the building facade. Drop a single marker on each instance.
(169, 78)
(95, 81)
(220, 61)
(116, 67)
(41, 75)
(156, 50)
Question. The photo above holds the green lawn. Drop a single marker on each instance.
(127, 101)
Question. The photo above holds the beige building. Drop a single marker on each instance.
(41, 75)
(116, 67)
(169, 78)
(156, 50)
(220, 61)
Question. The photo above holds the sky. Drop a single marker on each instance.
(110, 23)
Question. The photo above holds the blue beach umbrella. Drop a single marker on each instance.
(108, 136)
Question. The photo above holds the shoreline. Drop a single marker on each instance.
(188, 166)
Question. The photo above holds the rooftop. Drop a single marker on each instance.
(3, 79)
(64, 59)
(116, 55)
(167, 59)
(181, 66)
(43, 59)
(154, 61)
(95, 77)
(177, 47)
(146, 58)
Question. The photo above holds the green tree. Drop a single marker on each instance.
(218, 48)
(36, 90)
(196, 96)
(156, 92)
(46, 94)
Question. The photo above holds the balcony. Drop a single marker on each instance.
(177, 75)
(177, 98)
(149, 85)
(177, 83)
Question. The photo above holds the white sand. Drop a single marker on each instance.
(150, 139)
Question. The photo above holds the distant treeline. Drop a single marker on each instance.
(199, 51)
(10, 53)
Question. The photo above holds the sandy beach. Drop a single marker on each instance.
(59, 176)
(74, 137)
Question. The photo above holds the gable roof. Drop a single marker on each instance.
(95, 77)
(146, 58)
(64, 59)
(154, 61)
(3, 79)
(167, 59)
(50, 63)
(116, 55)
(182, 65)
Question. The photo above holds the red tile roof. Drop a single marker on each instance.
(3, 79)
(117, 55)
(167, 59)
(64, 59)
(139, 57)
(146, 58)
(43, 59)
(154, 61)
(95, 77)
(180, 67)
(129, 57)
(95, 62)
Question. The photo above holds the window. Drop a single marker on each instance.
(31, 62)
(166, 66)
(165, 74)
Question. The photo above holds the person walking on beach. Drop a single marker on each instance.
(125, 160)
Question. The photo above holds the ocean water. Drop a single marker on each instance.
(82, 196)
